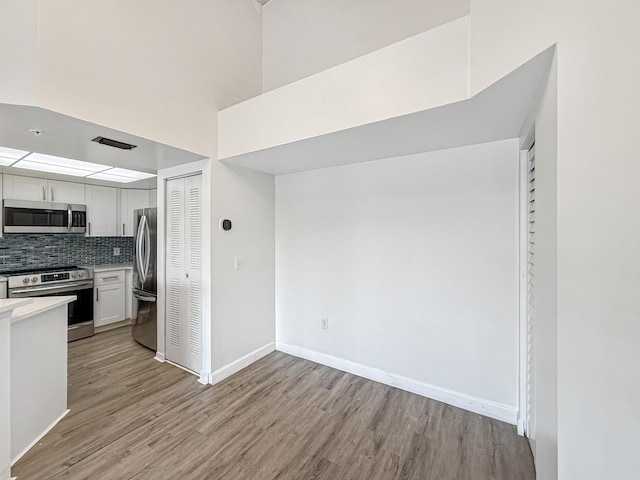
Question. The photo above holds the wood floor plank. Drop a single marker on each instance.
(281, 418)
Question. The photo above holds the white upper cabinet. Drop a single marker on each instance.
(102, 211)
(41, 190)
(130, 200)
(66, 192)
(24, 188)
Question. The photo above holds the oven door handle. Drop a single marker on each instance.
(75, 286)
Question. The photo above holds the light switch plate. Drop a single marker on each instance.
(239, 263)
(116, 251)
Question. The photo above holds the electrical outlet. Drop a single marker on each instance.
(239, 263)
(324, 323)
(116, 251)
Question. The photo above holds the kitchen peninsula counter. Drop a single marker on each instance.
(33, 372)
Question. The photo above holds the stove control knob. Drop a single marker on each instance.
(34, 279)
(26, 280)
(74, 275)
(81, 274)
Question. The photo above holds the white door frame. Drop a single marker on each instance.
(202, 167)
(523, 341)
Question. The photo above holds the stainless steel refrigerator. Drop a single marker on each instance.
(144, 325)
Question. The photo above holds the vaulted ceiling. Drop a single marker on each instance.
(262, 1)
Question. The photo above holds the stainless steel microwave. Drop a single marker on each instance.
(22, 216)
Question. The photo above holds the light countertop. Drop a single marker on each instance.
(24, 308)
(109, 267)
(8, 304)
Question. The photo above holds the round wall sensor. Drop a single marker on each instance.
(225, 224)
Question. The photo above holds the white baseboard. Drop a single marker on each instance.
(55, 422)
(498, 411)
(241, 363)
(159, 357)
(204, 377)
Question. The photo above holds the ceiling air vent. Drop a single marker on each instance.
(114, 143)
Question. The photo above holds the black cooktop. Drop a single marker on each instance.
(36, 271)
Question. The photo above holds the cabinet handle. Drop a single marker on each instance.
(44, 193)
(110, 277)
(123, 229)
(97, 294)
(89, 228)
(52, 194)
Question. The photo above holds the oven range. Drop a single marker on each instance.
(59, 281)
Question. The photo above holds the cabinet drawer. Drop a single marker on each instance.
(105, 278)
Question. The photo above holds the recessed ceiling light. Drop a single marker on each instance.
(10, 155)
(45, 167)
(111, 178)
(123, 172)
(67, 166)
(86, 167)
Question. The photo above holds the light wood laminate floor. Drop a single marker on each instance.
(281, 418)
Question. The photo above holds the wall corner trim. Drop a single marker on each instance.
(159, 357)
(488, 408)
(243, 362)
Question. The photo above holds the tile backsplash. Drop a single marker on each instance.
(19, 251)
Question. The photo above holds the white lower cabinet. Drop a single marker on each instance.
(109, 299)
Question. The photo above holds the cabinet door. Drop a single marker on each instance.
(102, 211)
(66, 192)
(24, 188)
(131, 200)
(109, 304)
(184, 276)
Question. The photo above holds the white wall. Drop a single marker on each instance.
(545, 398)
(158, 69)
(598, 258)
(421, 72)
(5, 396)
(414, 260)
(304, 37)
(243, 301)
(18, 51)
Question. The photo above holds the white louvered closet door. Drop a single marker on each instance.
(531, 282)
(184, 272)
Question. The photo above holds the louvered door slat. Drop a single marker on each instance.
(193, 265)
(531, 268)
(184, 272)
(174, 342)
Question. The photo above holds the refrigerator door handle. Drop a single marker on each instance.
(144, 298)
(139, 253)
(147, 247)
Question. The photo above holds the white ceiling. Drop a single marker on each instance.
(497, 113)
(262, 2)
(70, 137)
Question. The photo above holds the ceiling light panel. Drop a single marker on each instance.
(50, 160)
(123, 172)
(12, 153)
(112, 178)
(50, 168)
(5, 162)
